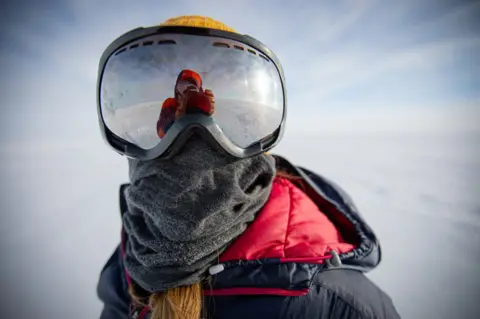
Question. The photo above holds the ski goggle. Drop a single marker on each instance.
(157, 86)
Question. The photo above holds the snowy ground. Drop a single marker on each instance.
(419, 191)
(421, 196)
(138, 124)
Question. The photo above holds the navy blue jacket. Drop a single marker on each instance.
(333, 287)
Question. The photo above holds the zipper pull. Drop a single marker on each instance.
(216, 269)
(334, 261)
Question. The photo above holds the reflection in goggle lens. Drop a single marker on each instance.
(146, 88)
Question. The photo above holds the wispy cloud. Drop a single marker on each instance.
(339, 24)
(341, 72)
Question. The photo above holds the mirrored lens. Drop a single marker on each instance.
(149, 84)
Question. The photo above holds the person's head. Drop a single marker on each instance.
(187, 80)
(139, 69)
(195, 190)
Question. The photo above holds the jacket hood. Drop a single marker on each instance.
(308, 225)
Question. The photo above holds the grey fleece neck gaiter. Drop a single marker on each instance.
(183, 213)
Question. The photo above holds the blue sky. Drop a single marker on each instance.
(340, 56)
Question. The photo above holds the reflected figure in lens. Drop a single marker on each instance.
(189, 98)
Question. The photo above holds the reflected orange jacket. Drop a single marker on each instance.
(167, 116)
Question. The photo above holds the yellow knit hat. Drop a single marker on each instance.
(198, 22)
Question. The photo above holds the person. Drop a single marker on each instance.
(215, 230)
(188, 88)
